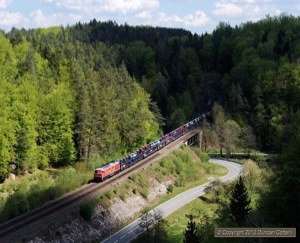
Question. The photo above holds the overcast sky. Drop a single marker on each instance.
(198, 16)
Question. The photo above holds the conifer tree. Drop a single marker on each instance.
(192, 234)
(240, 202)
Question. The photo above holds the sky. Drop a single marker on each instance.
(197, 16)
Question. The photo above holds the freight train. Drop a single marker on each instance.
(114, 167)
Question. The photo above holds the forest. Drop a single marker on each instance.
(102, 88)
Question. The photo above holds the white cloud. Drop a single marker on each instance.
(4, 4)
(197, 19)
(125, 6)
(41, 20)
(146, 15)
(249, 1)
(244, 10)
(10, 19)
(111, 6)
(227, 9)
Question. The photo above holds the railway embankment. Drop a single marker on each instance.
(179, 171)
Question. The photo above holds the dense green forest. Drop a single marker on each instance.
(67, 93)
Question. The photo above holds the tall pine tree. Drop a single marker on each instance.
(240, 202)
(192, 233)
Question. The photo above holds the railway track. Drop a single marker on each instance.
(85, 193)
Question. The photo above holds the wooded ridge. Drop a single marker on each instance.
(101, 88)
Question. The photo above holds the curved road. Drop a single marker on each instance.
(130, 232)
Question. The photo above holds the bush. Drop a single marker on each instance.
(86, 212)
(204, 157)
(143, 181)
(16, 204)
(168, 164)
(185, 158)
(209, 167)
(127, 185)
(180, 181)
(134, 190)
(144, 192)
(170, 188)
(179, 167)
(160, 177)
(133, 177)
(109, 194)
(123, 196)
(81, 167)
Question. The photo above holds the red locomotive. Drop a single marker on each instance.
(107, 171)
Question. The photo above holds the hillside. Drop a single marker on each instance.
(131, 198)
(82, 95)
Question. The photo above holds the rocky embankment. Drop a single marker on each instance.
(106, 218)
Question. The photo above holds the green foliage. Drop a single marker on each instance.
(133, 177)
(170, 188)
(66, 92)
(181, 180)
(240, 202)
(55, 104)
(86, 212)
(192, 233)
(18, 204)
(204, 157)
(252, 175)
(63, 86)
(109, 194)
(123, 196)
(280, 204)
(144, 192)
(168, 164)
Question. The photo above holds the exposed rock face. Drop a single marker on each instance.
(12, 176)
(104, 220)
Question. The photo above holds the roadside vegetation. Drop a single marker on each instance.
(213, 209)
(181, 170)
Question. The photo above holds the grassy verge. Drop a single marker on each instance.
(211, 210)
(177, 221)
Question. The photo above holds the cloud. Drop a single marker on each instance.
(125, 6)
(146, 15)
(4, 4)
(240, 10)
(250, 1)
(102, 6)
(227, 9)
(41, 20)
(199, 18)
(11, 19)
